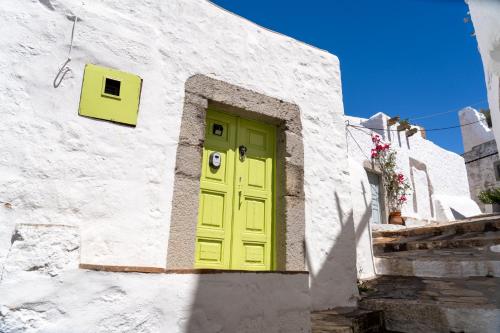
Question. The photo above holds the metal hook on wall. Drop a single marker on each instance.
(64, 69)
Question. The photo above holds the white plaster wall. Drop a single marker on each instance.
(446, 171)
(361, 199)
(422, 194)
(115, 182)
(477, 132)
(485, 14)
(140, 303)
(88, 301)
(42, 290)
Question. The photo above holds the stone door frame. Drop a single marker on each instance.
(201, 92)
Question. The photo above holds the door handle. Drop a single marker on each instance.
(240, 192)
(243, 151)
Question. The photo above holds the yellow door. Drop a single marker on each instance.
(236, 211)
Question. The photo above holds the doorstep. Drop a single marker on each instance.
(159, 270)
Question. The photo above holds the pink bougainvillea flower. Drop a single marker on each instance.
(375, 138)
(401, 178)
(396, 184)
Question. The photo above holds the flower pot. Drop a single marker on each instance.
(396, 218)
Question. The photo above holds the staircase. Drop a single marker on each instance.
(347, 321)
(439, 278)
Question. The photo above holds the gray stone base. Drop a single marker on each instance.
(424, 305)
(450, 263)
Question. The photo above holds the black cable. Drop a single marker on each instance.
(419, 130)
(480, 158)
(425, 116)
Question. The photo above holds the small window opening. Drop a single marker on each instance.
(112, 87)
(217, 129)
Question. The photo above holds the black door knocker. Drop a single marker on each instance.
(243, 151)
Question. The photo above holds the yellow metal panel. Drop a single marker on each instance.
(110, 94)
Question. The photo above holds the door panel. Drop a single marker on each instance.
(236, 210)
(374, 180)
(213, 237)
(253, 211)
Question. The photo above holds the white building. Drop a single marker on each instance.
(480, 154)
(237, 161)
(485, 14)
(100, 227)
(438, 179)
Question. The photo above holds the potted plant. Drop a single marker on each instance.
(404, 125)
(491, 199)
(397, 188)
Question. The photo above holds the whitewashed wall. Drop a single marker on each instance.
(151, 303)
(115, 183)
(362, 211)
(476, 130)
(485, 14)
(446, 171)
(42, 290)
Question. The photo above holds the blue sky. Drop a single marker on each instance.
(402, 57)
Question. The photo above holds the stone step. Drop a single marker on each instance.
(413, 304)
(449, 263)
(443, 241)
(344, 320)
(476, 224)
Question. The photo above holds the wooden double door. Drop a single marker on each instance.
(236, 211)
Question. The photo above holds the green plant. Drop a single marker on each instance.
(490, 196)
(363, 286)
(404, 125)
(487, 115)
(395, 183)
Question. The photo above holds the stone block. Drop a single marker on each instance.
(193, 125)
(295, 233)
(294, 180)
(294, 148)
(189, 160)
(290, 114)
(183, 223)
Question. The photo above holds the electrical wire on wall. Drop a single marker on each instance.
(356, 141)
(368, 131)
(416, 128)
(64, 69)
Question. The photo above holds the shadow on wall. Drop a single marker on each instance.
(275, 302)
(456, 214)
(422, 189)
(324, 283)
(363, 236)
(249, 302)
(361, 198)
